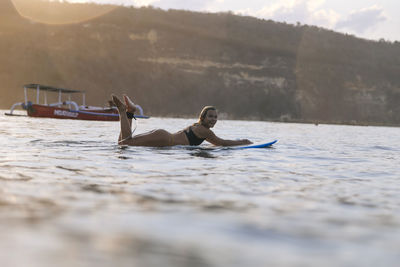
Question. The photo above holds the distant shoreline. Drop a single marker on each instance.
(253, 118)
(302, 121)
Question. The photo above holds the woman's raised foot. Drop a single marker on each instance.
(130, 106)
(121, 106)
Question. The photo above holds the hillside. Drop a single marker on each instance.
(174, 62)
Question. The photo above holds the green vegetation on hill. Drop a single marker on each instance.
(174, 62)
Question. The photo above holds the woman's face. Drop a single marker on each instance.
(210, 119)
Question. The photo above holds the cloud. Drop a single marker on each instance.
(291, 11)
(179, 4)
(118, 2)
(164, 4)
(362, 20)
(195, 5)
(304, 11)
(143, 2)
(327, 18)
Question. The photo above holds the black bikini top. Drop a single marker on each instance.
(193, 139)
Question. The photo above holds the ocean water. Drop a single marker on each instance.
(325, 195)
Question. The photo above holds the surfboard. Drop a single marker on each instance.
(216, 148)
(264, 145)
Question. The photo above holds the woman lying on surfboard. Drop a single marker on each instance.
(193, 135)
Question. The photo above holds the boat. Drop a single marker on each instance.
(66, 109)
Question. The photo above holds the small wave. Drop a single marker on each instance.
(383, 148)
(36, 141)
(203, 154)
(69, 169)
(21, 178)
(70, 142)
(124, 157)
(93, 188)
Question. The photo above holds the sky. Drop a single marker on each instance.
(368, 19)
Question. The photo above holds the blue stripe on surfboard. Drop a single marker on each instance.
(256, 146)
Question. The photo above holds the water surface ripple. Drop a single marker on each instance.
(325, 195)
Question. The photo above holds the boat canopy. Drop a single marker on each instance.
(45, 88)
(51, 88)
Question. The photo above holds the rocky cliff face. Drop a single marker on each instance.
(175, 62)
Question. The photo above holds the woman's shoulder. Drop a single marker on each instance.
(200, 130)
(197, 126)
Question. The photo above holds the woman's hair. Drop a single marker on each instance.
(203, 113)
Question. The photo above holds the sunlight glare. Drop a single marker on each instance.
(60, 12)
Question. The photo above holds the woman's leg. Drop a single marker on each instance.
(126, 130)
(155, 138)
(130, 107)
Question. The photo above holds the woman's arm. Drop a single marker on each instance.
(215, 140)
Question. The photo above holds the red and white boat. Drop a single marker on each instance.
(65, 109)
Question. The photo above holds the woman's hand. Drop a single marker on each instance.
(246, 141)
